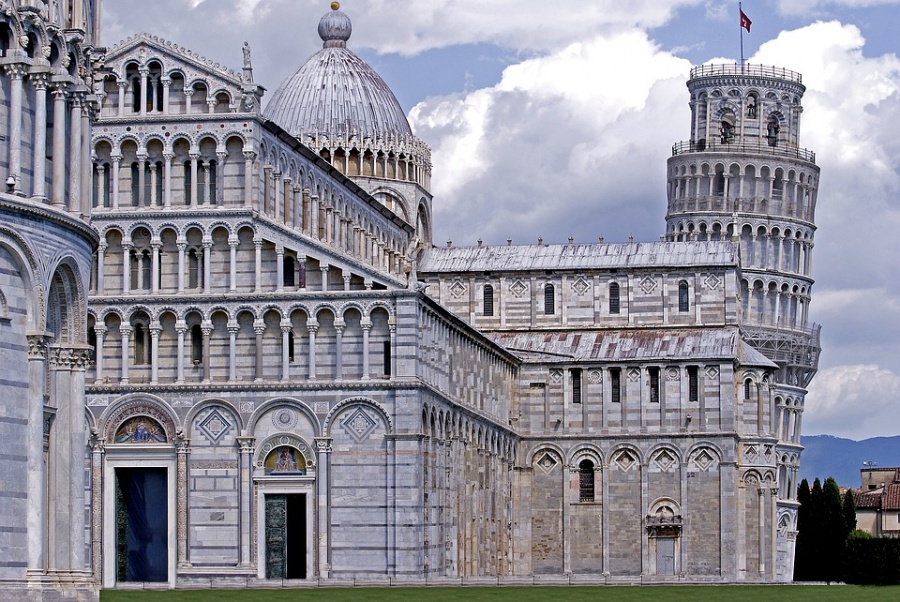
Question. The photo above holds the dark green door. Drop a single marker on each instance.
(286, 536)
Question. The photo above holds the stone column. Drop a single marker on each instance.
(248, 178)
(195, 184)
(182, 247)
(15, 72)
(257, 277)
(232, 352)
(304, 211)
(266, 189)
(219, 201)
(154, 202)
(285, 349)
(122, 87)
(276, 200)
(113, 177)
(188, 93)
(101, 265)
(74, 159)
(182, 451)
(211, 106)
(314, 216)
(101, 185)
(126, 267)
(168, 157)
(259, 328)
(207, 329)
(245, 450)
(207, 260)
(166, 83)
(346, 276)
(366, 325)
(288, 199)
(97, 450)
(312, 326)
(100, 331)
(297, 203)
(180, 329)
(37, 480)
(58, 185)
(125, 331)
(324, 270)
(155, 329)
(39, 159)
(86, 163)
(154, 266)
(279, 268)
(232, 263)
(323, 460)
(339, 349)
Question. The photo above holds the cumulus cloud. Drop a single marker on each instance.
(854, 401)
(571, 143)
(806, 7)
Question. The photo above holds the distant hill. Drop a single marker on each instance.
(829, 456)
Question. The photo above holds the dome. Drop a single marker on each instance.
(335, 92)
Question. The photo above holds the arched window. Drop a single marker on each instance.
(747, 388)
(488, 300)
(291, 346)
(683, 300)
(135, 184)
(614, 298)
(196, 345)
(142, 344)
(187, 182)
(549, 300)
(693, 383)
(751, 106)
(586, 481)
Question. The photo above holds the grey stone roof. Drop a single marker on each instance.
(579, 256)
(335, 92)
(623, 345)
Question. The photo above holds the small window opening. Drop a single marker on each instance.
(291, 346)
(386, 353)
(615, 383)
(196, 345)
(576, 385)
(683, 299)
(747, 386)
(488, 300)
(654, 384)
(549, 300)
(693, 384)
(586, 481)
(614, 298)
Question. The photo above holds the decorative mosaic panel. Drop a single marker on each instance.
(458, 288)
(712, 282)
(359, 425)
(581, 286)
(625, 460)
(634, 374)
(664, 460)
(518, 288)
(648, 284)
(140, 429)
(702, 460)
(556, 376)
(215, 425)
(712, 372)
(547, 462)
(595, 376)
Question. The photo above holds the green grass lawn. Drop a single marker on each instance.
(721, 593)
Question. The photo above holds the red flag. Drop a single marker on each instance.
(745, 22)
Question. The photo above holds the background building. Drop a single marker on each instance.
(46, 247)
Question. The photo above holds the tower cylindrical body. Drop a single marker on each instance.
(743, 176)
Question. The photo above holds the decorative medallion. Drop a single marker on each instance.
(321, 407)
(712, 372)
(595, 376)
(215, 425)
(703, 460)
(556, 376)
(648, 285)
(581, 286)
(247, 407)
(547, 462)
(672, 374)
(358, 425)
(518, 288)
(712, 281)
(634, 374)
(140, 429)
(625, 460)
(457, 288)
(284, 419)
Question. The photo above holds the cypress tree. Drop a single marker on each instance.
(803, 552)
(848, 509)
(834, 533)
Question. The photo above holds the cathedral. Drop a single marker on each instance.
(232, 356)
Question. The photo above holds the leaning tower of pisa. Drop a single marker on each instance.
(743, 176)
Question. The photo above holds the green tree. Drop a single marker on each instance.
(848, 509)
(833, 532)
(804, 552)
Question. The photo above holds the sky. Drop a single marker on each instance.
(559, 117)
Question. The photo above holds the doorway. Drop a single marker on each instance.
(665, 556)
(142, 528)
(285, 536)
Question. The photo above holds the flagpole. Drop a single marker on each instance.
(741, 27)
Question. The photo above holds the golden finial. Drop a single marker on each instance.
(335, 5)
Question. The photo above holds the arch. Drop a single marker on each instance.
(280, 444)
(135, 405)
(364, 401)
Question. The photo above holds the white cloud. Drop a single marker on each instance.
(856, 402)
(571, 141)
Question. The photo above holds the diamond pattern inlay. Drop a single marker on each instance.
(648, 285)
(359, 425)
(518, 288)
(215, 425)
(457, 289)
(581, 286)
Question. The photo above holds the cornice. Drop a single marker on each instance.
(250, 387)
(47, 213)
